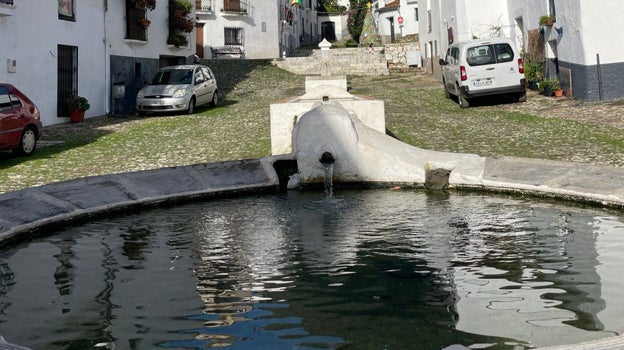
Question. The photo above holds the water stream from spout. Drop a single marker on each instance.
(328, 160)
(329, 184)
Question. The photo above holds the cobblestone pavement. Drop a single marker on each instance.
(416, 113)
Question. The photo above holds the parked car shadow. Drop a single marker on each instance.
(56, 139)
(492, 100)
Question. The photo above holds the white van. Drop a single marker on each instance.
(481, 68)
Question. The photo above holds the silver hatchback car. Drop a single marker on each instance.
(178, 89)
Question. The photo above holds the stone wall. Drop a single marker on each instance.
(403, 55)
(356, 61)
(347, 61)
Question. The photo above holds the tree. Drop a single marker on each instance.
(355, 20)
(330, 7)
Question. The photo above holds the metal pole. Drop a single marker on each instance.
(599, 77)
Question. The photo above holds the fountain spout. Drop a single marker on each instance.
(327, 158)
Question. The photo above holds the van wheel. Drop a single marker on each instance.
(521, 97)
(463, 102)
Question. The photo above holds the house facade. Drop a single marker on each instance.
(574, 50)
(396, 19)
(333, 27)
(135, 51)
(63, 54)
(102, 50)
(262, 29)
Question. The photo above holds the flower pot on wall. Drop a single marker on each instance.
(76, 116)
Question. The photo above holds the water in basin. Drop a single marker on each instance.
(375, 269)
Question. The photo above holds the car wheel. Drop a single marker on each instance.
(522, 97)
(215, 99)
(463, 102)
(191, 106)
(28, 142)
(141, 114)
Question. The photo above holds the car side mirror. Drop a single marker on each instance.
(442, 62)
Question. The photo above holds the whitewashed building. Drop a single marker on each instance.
(93, 48)
(254, 29)
(574, 50)
(396, 19)
(333, 27)
(51, 51)
(135, 52)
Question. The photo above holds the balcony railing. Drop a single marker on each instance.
(203, 6)
(235, 8)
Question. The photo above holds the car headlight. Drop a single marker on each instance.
(141, 94)
(179, 93)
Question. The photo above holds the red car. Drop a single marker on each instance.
(20, 123)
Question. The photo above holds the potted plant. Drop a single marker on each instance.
(532, 71)
(77, 105)
(144, 22)
(184, 7)
(145, 4)
(180, 22)
(547, 20)
(548, 86)
(177, 40)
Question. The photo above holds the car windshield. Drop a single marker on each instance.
(172, 77)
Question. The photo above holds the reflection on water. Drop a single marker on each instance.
(362, 270)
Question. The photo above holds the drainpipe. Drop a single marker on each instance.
(599, 77)
(107, 89)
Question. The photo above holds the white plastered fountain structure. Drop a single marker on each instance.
(327, 118)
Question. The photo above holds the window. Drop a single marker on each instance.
(232, 6)
(8, 100)
(233, 36)
(66, 10)
(416, 14)
(134, 16)
(67, 77)
(428, 21)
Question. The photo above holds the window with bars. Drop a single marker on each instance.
(67, 77)
(233, 36)
(134, 17)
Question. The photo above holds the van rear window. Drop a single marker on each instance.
(489, 54)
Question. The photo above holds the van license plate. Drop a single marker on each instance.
(482, 82)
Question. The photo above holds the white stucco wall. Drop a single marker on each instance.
(157, 33)
(386, 17)
(410, 23)
(598, 30)
(35, 31)
(258, 43)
